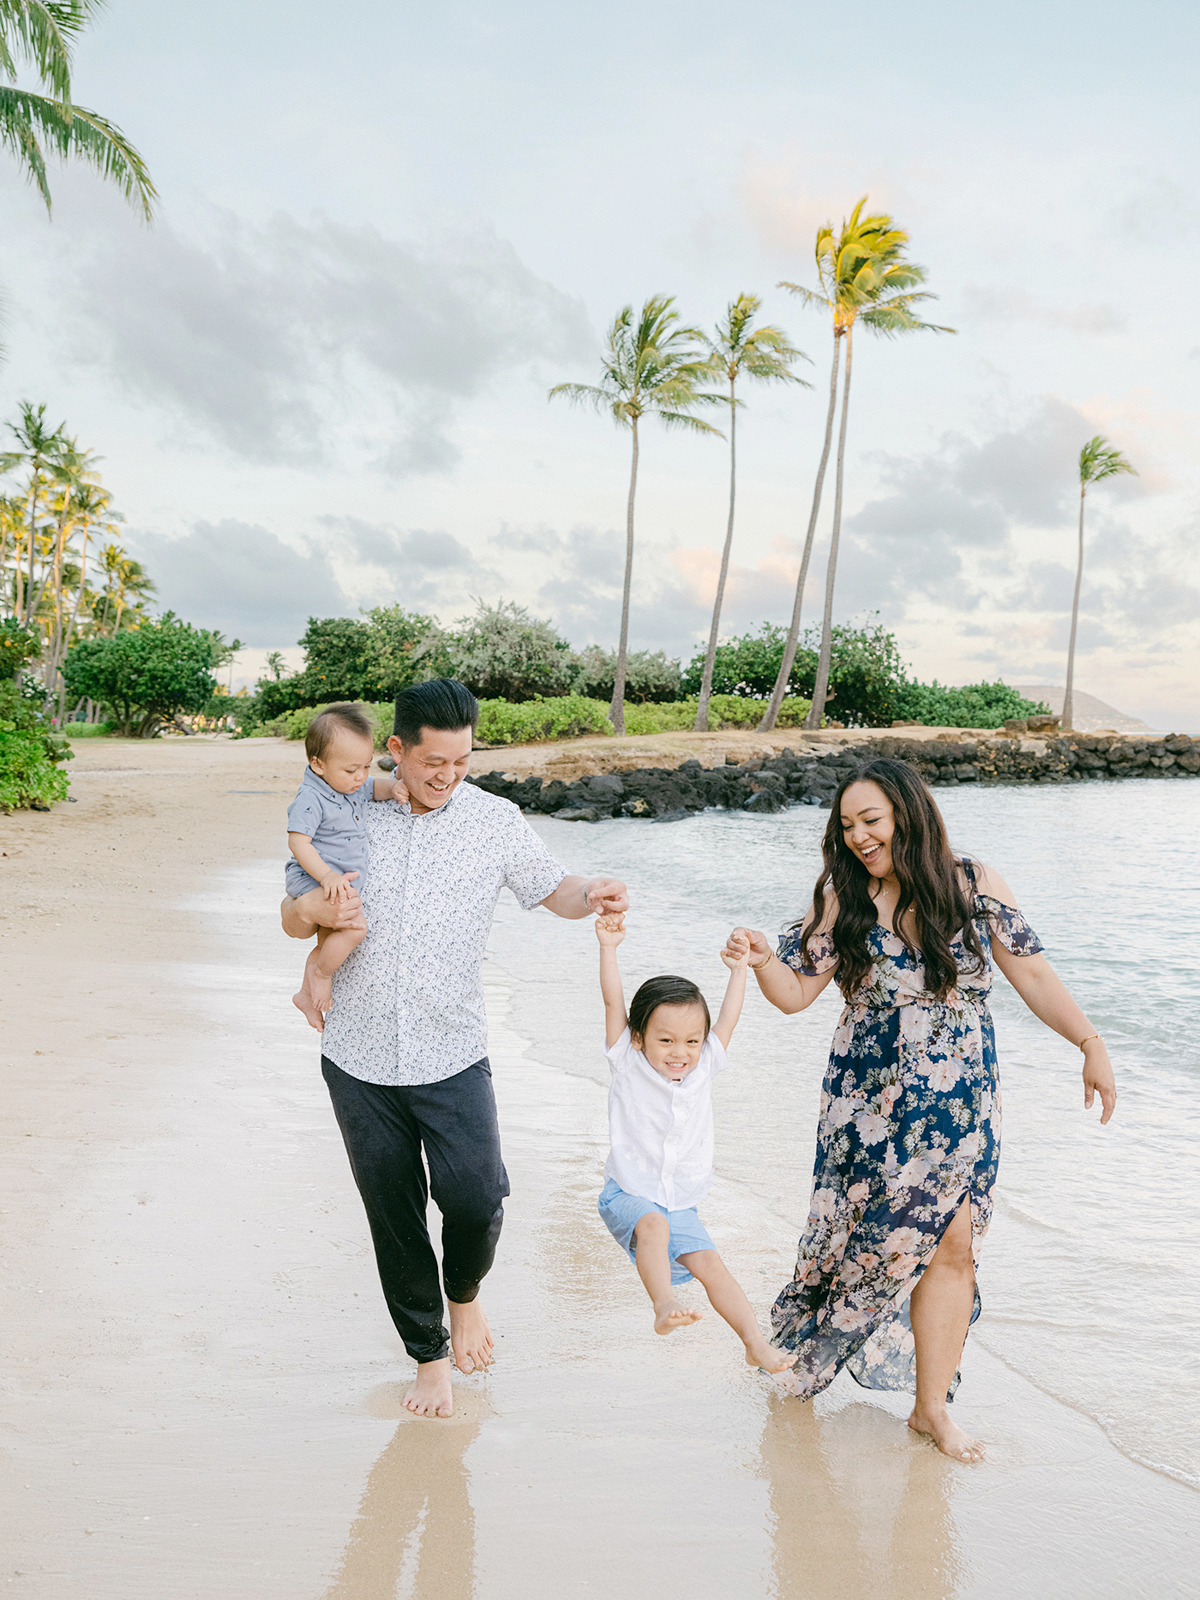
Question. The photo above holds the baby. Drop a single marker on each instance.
(662, 1057)
(328, 838)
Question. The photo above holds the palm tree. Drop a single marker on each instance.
(39, 451)
(126, 585)
(1097, 461)
(736, 351)
(863, 276)
(652, 368)
(42, 34)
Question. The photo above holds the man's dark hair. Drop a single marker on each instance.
(665, 991)
(442, 703)
(326, 725)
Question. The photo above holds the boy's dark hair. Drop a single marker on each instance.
(325, 726)
(442, 703)
(665, 991)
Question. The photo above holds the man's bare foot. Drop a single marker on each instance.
(947, 1435)
(303, 1001)
(430, 1394)
(669, 1315)
(767, 1356)
(470, 1336)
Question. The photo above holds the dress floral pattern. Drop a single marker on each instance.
(909, 1127)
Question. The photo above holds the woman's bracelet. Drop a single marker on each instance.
(757, 966)
(1089, 1039)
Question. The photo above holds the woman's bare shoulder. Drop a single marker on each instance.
(988, 881)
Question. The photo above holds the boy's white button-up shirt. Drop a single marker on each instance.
(661, 1133)
(408, 1002)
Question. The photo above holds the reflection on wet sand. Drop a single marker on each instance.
(414, 1534)
(860, 1508)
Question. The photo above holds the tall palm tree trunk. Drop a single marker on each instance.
(27, 618)
(711, 653)
(789, 650)
(65, 643)
(1068, 710)
(616, 712)
(821, 686)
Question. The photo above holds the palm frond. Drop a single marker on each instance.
(682, 419)
(30, 121)
(1099, 460)
(43, 32)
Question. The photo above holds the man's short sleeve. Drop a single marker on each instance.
(531, 872)
(305, 812)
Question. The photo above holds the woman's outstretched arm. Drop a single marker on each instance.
(1048, 997)
(788, 991)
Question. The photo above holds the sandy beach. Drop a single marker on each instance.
(202, 1384)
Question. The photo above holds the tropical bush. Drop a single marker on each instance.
(294, 724)
(865, 672)
(147, 675)
(724, 711)
(563, 717)
(30, 754)
(975, 705)
(649, 676)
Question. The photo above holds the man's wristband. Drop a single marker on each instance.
(587, 903)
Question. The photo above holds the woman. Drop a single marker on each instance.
(909, 1136)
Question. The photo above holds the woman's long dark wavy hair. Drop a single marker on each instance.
(928, 877)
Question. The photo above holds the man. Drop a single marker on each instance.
(404, 1048)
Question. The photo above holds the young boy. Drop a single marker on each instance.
(328, 839)
(662, 1056)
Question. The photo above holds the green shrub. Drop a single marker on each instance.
(565, 717)
(724, 711)
(975, 705)
(88, 730)
(146, 675)
(29, 752)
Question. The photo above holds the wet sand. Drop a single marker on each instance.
(202, 1384)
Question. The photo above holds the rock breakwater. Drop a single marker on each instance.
(809, 775)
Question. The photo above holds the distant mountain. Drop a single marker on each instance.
(1090, 713)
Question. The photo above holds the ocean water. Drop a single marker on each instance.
(1089, 1275)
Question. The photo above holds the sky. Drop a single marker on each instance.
(319, 381)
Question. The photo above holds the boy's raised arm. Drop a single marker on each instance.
(610, 931)
(736, 957)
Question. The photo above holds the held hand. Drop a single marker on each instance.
(607, 897)
(400, 793)
(758, 947)
(737, 950)
(1098, 1079)
(610, 931)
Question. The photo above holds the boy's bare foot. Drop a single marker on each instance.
(767, 1356)
(669, 1315)
(303, 1001)
(470, 1336)
(947, 1435)
(430, 1394)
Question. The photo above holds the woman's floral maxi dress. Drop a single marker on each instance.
(910, 1125)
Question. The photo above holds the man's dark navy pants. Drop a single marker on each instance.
(385, 1127)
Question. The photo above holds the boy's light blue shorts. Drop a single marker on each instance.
(622, 1212)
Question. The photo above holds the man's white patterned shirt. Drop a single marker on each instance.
(408, 1002)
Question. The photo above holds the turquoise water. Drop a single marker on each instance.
(1088, 1279)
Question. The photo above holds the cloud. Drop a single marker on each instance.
(292, 341)
(1015, 305)
(242, 580)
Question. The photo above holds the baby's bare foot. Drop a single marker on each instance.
(430, 1394)
(470, 1336)
(321, 989)
(761, 1354)
(669, 1315)
(303, 1001)
(947, 1435)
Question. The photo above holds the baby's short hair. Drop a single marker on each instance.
(664, 991)
(325, 726)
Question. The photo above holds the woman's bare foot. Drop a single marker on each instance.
(430, 1395)
(303, 1001)
(947, 1435)
(669, 1315)
(767, 1356)
(470, 1336)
